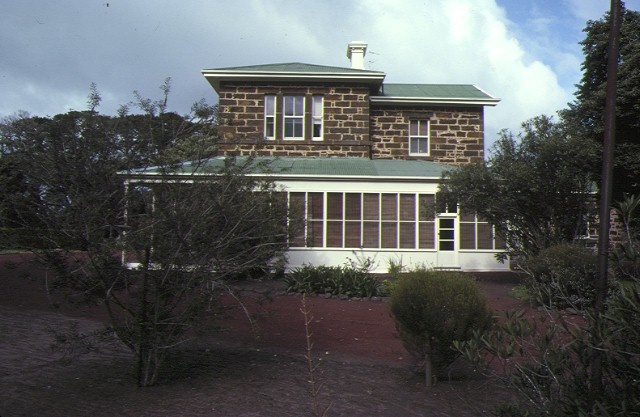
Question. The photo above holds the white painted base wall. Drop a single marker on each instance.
(465, 261)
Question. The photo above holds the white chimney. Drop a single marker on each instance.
(355, 52)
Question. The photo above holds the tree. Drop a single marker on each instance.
(535, 188)
(585, 116)
(432, 309)
(190, 235)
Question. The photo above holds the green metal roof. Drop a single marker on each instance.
(433, 93)
(433, 90)
(294, 67)
(457, 94)
(316, 168)
(294, 71)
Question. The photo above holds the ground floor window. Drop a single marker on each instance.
(377, 220)
(476, 234)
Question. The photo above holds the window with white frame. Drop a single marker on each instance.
(419, 137)
(477, 234)
(270, 116)
(316, 117)
(349, 220)
(293, 113)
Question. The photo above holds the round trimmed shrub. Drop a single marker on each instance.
(432, 309)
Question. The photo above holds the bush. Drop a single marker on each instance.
(434, 308)
(554, 370)
(562, 276)
(350, 280)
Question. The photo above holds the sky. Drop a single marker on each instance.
(525, 52)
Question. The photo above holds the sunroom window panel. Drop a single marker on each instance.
(467, 236)
(315, 206)
(371, 210)
(334, 234)
(353, 206)
(467, 216)
(426, 207)
(297, 202)
(315, 233)
(334, 206)
(426, 235)
(408, 235)
(352, 234)
(389, 235)
(407, 207)
(485, 236)
(389, 206)
(371, 234)
(500, 243)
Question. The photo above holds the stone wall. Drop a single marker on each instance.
(351, 127)
(456, 134)
(345, 130)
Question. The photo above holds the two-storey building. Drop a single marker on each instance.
(362, 158)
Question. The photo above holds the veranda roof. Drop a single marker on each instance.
(306, 168)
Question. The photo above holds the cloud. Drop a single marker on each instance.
(466, 42)
(52, 52)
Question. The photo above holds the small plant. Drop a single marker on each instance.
(351, 280)
(386, 287)
(395, 267)
(432, 309)
(315, 386)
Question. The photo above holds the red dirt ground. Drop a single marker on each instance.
(364, 369)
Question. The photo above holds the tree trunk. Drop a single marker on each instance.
(428, 371)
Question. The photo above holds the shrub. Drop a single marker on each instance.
(553, 375)
(350, 280)
(434, 308)
(562, 276)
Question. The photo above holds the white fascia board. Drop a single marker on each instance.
(187, 178)
(216, 77)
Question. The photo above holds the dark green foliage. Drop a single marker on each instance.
(433, 309)
(349, 280)
(535, 188)
(626, 254)
(562, 276)
(549, 362)
(188, 237)
(585, 116)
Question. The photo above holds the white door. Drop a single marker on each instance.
(447, 243)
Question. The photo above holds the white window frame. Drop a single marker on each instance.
(294, 116)
(317, 116)
(417, 126)
(270, 116)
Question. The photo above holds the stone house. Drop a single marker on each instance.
(363, 159)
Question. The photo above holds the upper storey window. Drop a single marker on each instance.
(419, 137)
(270, 117)
(316, 117)
(294, 117)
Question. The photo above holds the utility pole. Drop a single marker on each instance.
(606, 188)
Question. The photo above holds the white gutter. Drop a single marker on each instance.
(435, 100)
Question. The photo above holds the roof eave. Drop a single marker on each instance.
(458, 101)
(189, 176)
(215, 77)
